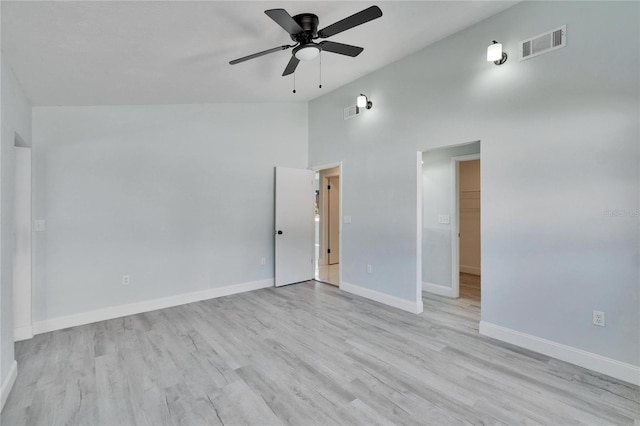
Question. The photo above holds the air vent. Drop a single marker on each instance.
(543, 43)
(351, 112)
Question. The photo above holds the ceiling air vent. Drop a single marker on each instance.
(351, 112)
(543, 43)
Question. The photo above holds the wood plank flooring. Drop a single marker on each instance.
(470, 286)
(302, 355)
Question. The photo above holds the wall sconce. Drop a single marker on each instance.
(495, 53)
(363, 102)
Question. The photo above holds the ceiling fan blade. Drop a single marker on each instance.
(340, 48)
(285, 20)
(291, 66)
(256, 55)
(354, 20)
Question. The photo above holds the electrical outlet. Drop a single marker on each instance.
(598, 318)
(263, 261)
(126, 279)
(369, 269)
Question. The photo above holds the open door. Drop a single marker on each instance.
(294, 225)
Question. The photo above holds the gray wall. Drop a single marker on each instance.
(436, 200)
(15, 121)
(560, 151)
(178, 197)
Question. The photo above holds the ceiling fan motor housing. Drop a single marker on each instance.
(309, 23)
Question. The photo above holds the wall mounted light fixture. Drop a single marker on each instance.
(495, 53)
(363, 102)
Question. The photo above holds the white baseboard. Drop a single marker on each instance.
(83, 318)
(611, 367)
(7, 384)
(22, 333)
(473, 270)
(396, 302)
(440, 290)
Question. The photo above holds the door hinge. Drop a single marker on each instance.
(329, 187)
(328, 250)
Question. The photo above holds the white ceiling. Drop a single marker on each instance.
(177, 52)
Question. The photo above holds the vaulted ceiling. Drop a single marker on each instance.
(178, 52)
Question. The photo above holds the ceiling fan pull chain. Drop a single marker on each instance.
(320, 85)
(294, 82)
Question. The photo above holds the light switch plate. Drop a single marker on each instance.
(39, 225)
(347, 219)
(444, 218)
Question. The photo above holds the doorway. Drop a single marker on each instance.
(449, 237)
(469, 229)
(327, 260)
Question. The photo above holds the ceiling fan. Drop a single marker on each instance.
(303, 29)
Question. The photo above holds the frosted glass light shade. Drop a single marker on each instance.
(361, 101)
(494, 52)
(307, 53)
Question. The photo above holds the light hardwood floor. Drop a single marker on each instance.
(303, 354)
(470, 286)
(328, 274)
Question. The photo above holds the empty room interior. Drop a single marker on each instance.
(320, 212)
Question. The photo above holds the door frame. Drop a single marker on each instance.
(340, 167)
(455, 220)
(445, 291)
(22, 300)
(327, 196)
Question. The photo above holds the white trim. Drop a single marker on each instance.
(340, 225)
(22, 333)
(7, 384)
(22, 262)
(439, 289)
(83, 318)
(396, 302)
(326, 166)
(473, 270)
(455, 221)
(611, 367)
(419, 202)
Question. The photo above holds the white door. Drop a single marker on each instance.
(294, 225)
(334, 220)
(22, 246)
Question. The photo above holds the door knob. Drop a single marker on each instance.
(279, 232)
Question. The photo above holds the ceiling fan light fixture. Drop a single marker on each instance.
(303, 29)
(306, 52)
